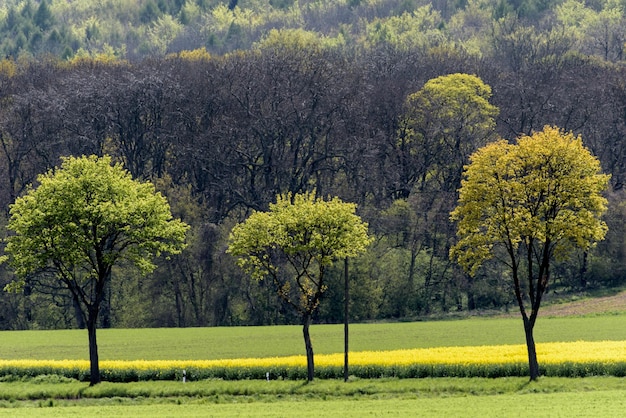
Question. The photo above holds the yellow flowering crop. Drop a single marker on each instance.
(548, 354)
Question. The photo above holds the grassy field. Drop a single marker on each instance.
(241, 342)
(550, 397)
(59, 397)
(594, 404)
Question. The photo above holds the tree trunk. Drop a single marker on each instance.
(582, 273)
(533, 365)
(78, 312)
(346, 309)
(310, 366)
(93, 349)
(471, 301)
(105, 304)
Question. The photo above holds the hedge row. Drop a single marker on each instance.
(321, 372)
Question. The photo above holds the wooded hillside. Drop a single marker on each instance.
(225, 113)
(32, 28)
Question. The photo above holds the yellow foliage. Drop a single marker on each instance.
(8, 68)
(107, 57)
(546, 189)
(555, 353)
(196, 55)
(298, 39)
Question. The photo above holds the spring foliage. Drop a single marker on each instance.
(295, 241)
(87, 215)
(546, 189)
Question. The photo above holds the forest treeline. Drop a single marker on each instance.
(221, 134)
(142, 28)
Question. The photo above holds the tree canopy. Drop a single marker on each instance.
(155, 27)
(444, 122)
(527, 204)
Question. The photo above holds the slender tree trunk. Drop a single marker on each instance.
(28, 313)
(310, 366)
(104, 302)
(533, 365)
(583, 272)
(178, 299)
(94, 363)
(471, 301)
(529, 322)
(78, 312)
(346, 308)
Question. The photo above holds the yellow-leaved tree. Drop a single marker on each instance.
(293, 244)
(526, 204)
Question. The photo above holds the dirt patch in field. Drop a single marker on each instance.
(605, 304)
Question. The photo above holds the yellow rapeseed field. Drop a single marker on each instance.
(548, 353)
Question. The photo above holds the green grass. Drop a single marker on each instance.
(53, 396)
(34, 389)
(237, 342)
(596, 404)
(424, 397)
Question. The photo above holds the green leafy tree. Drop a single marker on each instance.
(444, 122)
(43, 16)
(82, 219)
(421, 28)
(526, 204)
(294, 244)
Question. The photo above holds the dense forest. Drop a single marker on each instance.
(224, 105)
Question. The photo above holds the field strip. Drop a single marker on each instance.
(548, 353)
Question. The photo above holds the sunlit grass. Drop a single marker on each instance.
(281, 341)
(390, 397)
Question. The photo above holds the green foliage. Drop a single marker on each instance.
(320, 105)
(43, 16)
(303, 235)
(149, 12)
(89, 212)
(227, 26)
(414, 371)
(422, 28)
(444, 122)
(80, 221)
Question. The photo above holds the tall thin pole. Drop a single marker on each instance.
(345, 319)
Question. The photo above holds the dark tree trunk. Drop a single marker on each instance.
(78, 312)
(92, 322)
(583, 272)
(346, 309)
(471, 300)
(310, 366)
(533, 365)
(93, 311)
(105, 305)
